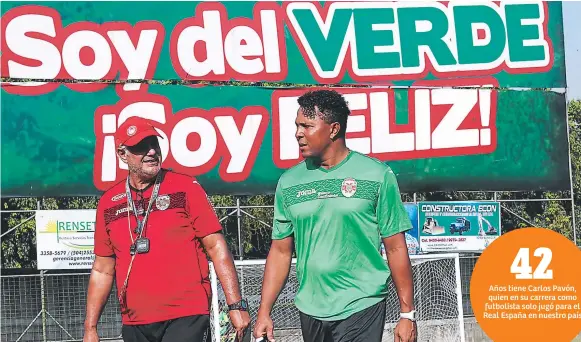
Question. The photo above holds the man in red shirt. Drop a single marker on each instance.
(150, 235)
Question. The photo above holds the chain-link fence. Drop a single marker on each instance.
(437, 296)
(51, 307)
(284, 314)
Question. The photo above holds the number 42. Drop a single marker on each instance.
(522, 268)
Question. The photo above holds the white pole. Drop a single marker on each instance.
(215, 304)
(459, 294)
(571, 179)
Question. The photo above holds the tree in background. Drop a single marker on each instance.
(574, 110)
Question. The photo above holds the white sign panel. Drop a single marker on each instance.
(64, 239)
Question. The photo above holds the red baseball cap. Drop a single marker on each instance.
(133, 130)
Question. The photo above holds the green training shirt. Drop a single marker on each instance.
(337, 217)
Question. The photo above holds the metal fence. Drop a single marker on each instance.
(437, 297)
(51, 306)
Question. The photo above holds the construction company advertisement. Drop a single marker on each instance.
(444, 111)
(458, 226)
(65, 239)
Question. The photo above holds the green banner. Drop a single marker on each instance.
(239, 140)
(57, 138)
(519, 43)
(458, 226)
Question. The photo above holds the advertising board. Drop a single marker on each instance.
(443, 111)
(64, 239)
(458, 226)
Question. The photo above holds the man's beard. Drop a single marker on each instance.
(144, 174)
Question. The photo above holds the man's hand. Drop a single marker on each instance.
(215, 245)
(405, 331)
(264, 326)
(240, 321)
(91, 335)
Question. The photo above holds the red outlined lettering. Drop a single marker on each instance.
(347, 57)
(214, 48)
(37, 46)
(474, 125)
(442, 122)
(138, 48)
(194, 142)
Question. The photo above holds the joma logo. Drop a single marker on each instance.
(120, 211)
(306, 192)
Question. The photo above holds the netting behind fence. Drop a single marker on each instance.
(437, 296)
(51, 307)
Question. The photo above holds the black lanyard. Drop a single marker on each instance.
(141, 223)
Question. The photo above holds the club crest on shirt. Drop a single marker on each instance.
(162, 202)
(349, 187)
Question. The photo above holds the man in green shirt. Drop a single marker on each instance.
(336, 208)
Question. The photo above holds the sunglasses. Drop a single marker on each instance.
(144, 146)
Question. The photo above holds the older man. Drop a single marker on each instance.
(151, 232)
(336, 208)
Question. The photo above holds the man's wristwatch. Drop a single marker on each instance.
(241, 305)
(412, 315)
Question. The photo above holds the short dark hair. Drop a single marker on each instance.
(332, 107)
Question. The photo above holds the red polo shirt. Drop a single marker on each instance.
(172, 279)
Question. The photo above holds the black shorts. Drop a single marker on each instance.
(366, 325)
(184, 329)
